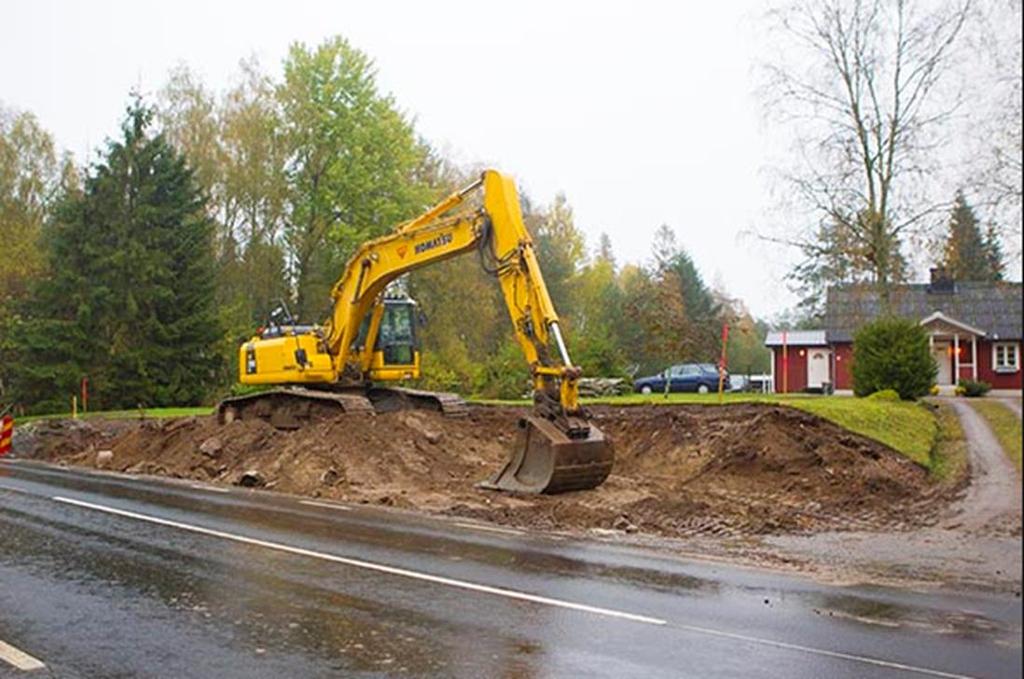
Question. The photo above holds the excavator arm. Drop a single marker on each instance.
(558, 449)
(498, 231)
(324, 369)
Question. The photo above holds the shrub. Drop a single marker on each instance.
(892, 353)
(885, 395)
(972, 388)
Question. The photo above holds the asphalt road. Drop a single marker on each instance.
(113, 576)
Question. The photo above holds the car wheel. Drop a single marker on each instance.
(646, 390)
(702, 389)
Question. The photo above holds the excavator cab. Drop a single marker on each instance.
(396, 352)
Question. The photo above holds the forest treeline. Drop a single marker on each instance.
(144, 270)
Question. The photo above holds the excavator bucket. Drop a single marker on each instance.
(546, 460)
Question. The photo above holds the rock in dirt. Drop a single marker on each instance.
(211, 446)
(251, 479)
(624, 524)
(104, 458)
(329, 477)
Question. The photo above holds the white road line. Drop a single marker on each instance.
(868, 660)
(19, 659)
(493, 529)
(213, 489)
(329, 505)
(368, 565)
(10, 489)
(513, 594)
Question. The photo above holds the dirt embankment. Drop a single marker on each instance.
(686, 470)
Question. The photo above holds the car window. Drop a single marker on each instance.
(690, 370)
(676, 370)
(709, 368)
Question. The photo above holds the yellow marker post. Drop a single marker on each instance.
(74, 407)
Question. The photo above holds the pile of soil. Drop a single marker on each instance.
(680, 470)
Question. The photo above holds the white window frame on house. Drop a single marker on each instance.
(1006, 366)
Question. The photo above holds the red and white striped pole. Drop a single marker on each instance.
(785, 362)
(6, 433)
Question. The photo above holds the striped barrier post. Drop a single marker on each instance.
(6, 434)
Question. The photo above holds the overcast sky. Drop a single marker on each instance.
(642, 113)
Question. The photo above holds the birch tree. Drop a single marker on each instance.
(862, 88)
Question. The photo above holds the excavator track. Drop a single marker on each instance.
(388, 399)
(295, 407)
(292, 407)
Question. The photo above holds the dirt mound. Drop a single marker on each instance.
(680, 470)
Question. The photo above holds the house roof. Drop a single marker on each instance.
(992, 308)
(804, 338)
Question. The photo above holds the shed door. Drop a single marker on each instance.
(818, 361)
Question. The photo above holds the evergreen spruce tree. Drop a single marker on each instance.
(971, 255)
(130, 300)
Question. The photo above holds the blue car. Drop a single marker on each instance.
(701, 378)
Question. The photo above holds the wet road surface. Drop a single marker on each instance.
(106, 575)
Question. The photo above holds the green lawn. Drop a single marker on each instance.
(907, 427)
(1004, 424)
(123, 414)
(949, 456)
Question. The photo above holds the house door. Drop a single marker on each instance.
(941, 355)
(818, 361)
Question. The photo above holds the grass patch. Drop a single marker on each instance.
(949, 456)
(905, 426)
(662, 399)
(1004, 424)
(123, 414)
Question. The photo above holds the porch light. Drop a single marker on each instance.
(802, 352)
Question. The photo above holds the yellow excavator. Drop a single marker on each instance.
(370, 337)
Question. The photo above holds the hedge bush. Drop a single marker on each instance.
(892, 353)
(972, 388)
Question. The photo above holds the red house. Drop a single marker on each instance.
(974, 329)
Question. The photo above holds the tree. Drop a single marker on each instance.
(352, 158)
(604, 249)
(129, 301)
(892, 353)
(969, 254)
(30, 177)
(995, 161)
(234, 144)
(598, 338)
(699, 331)
(746, 353)
(561, 249)
(858, 85)
(654, 316)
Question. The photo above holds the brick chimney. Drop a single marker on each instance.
(941, 280)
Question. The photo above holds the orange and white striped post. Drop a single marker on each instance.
(6, 434)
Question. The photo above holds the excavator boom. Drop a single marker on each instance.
(558, 449)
